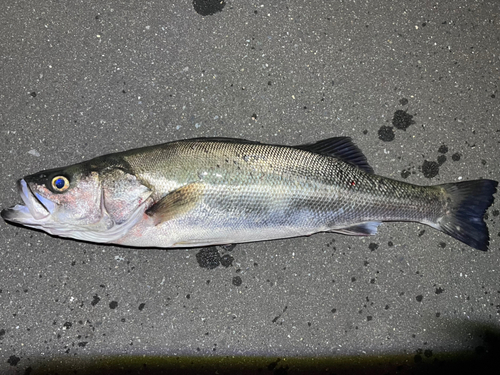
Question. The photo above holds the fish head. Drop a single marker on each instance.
(82, 201)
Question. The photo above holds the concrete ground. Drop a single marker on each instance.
(415, 84)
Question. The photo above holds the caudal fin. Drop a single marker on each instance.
(468, 202)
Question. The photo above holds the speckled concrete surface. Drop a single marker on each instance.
(415, 84)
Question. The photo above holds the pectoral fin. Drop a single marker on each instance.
(176, 203)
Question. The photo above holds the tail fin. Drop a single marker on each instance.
(469, 201)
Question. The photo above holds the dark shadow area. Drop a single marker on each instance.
(480, 359)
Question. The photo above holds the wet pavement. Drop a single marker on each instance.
(414, 84)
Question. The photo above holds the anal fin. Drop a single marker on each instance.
(368, 228)
(176, 203)
(203, 242)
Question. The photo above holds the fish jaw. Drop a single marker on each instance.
(37, 212)
(34, 213)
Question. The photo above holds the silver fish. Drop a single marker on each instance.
(213, 191)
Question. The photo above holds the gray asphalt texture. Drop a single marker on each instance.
(415, 84)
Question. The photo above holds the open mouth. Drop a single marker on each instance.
(35, 210)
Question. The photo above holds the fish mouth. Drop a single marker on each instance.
(42, 214)
(36, 210)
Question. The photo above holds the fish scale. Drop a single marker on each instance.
(287, 189)
(211, 191)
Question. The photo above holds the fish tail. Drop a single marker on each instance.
(467, 203)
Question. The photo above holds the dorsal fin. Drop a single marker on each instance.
(224, 140)
(341, 148)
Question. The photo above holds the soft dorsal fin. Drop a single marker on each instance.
(341, 148)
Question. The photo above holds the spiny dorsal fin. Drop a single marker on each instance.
(341, 148)
(224, 140)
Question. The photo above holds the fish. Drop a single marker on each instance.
(216, 191)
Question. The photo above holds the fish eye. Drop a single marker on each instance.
(60, 183)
